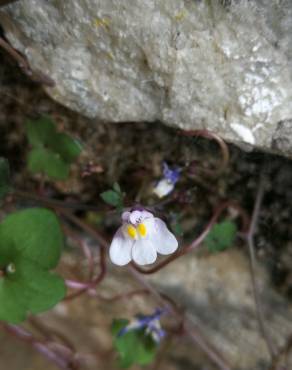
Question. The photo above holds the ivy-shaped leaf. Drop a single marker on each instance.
(221, 236)
(4, 177)
(134, 347)
(41, 160)
(52, 152)
(113, 197)
(31, 242)
(117, 188)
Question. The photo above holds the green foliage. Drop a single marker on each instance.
(113, 197)
(52, 152)
(221, 236)
(134, 347)
(175, 224)
(4, 177)
(31, 242)
(117, 188)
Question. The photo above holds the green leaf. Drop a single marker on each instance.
(221, 236)
(10, 310)
(4, 177)
(41, 131)
(118, 325)
(112, 197)
(175, 223)
(134, 347)
(68, 148)
(30, 290)
(52, 152)
(41, 160)
(177, 229)
(117, 188)
(30, 245)
(35, 233)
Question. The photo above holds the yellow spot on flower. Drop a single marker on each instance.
(142, 230)
(132, 232)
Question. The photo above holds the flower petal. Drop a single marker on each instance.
(135, 217)
(163, 188)
(126, 216)
(120, 249)
(146, 214)
(150, 227)
(143, 252)
(163, 240)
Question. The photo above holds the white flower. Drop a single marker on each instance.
(166, 185)
(139, 239)
(163, 188)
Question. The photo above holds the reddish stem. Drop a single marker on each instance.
(91, 285)
(193, 332)
(49, 334)
(199, 239)
(223, 146)
(85, 249)
(249, 237)
(119, 296)
(41, 346)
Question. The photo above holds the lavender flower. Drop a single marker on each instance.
(151, 324)
(140, 238)
(166, 185)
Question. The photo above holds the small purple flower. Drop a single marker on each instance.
(151, 324)
(169, 174)
(140, 238)
(166, 185)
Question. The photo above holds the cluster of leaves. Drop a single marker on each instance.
(114, 197)
(134, 347)
(31, 240)
(31, 243)
(221, 236)
(52, 152)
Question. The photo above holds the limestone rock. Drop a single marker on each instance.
(190, 64)
(217, 293)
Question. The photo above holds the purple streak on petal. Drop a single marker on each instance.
(172, 175)
(146, 321)
(135, 325)
(156, 333)
(137, 207)
(135, 217)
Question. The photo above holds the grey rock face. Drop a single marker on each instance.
(190, 64)
(217, 292)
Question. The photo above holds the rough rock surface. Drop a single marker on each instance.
(189, 64)
(217, 292)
